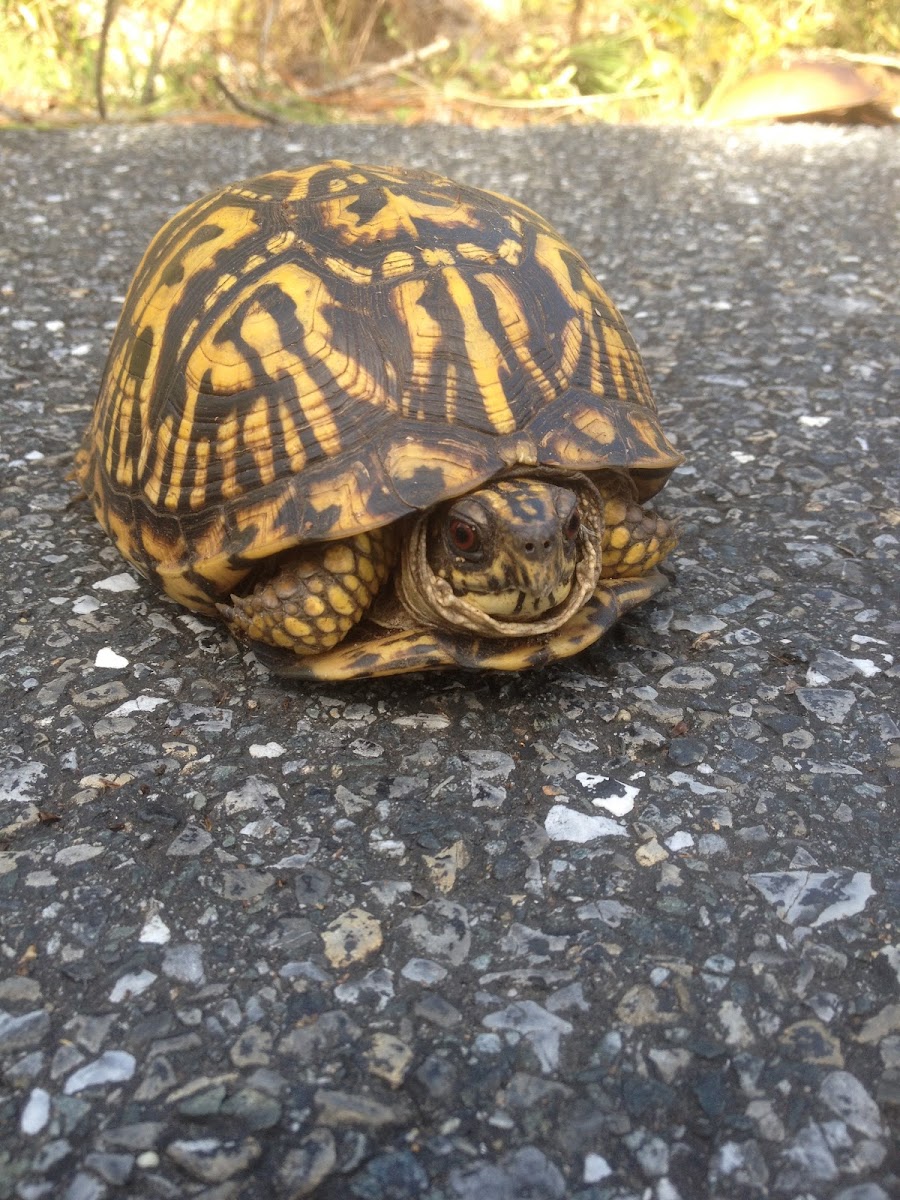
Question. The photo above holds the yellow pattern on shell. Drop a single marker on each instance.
(483, 352)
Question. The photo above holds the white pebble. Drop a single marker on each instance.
(84, 605)
(596, 1168)
(123, 582)
(155, 932)
(107, 657)
(113, 1066)
(138, 705)
(568, 825)
(680, 840)
(131, 985)
(266, 750)
(36, 1112)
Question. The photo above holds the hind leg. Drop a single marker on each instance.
(311, 597)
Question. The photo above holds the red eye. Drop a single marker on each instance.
(463, 536)
(572, 525)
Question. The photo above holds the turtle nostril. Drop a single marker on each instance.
(547, 544)
(529, 547)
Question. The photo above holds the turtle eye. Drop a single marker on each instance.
(572, 525)
(463, 536)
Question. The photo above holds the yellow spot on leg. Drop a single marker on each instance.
(314, 595)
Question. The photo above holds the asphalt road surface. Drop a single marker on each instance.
(622, 929)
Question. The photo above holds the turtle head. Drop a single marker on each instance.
(510, 548)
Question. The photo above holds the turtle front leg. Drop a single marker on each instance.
(635, 539)
(311, 597)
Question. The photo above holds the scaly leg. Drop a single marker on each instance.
(635, 539)
(313, 596)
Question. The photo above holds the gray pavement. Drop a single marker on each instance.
(625, 929)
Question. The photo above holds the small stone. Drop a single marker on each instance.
(320, 1037)
(351, 938)
(686, 751)
(50, 1154)
(253, 1048)
(810, 1041)
(245, 886)
(205, 1102)
(107, 658)
(596, 1168)
(885, 1022)
(308, 1164)
(806, 1163)
(19, 989)
(649, 853)
(121, 582)
(22, 1032)
(266, 750)
(184, 964)
(397, 1175)
(424, 971)
(115, 1169)
(642, 1005)
(814, 898)
(389, 1058)
(670, 1063)
(192, 840)
(541, 1028)
(617, 798)
(564, 824)
(140, 1135)
(739, 1165)
(155, 931)
(128, 986)
(438, 1011)
(445, 866)
(159, 1077)
(114, 1066)
(526, 1172)
(85, 1187)
(312, 886)
(830, 705)
(441, 930)
(848, 1099)
(355, 1109)
(436, 1077)
(36, 1112)
(695, 679)
(212, 1160)
(255, 1110)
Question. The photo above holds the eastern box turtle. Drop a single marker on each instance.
(379, 422)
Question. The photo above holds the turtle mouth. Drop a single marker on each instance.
(511, 613)
(521, 606)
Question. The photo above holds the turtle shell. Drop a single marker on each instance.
(313, 353)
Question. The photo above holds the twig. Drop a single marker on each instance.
(265, 33)
(547, 102)
(891, 61)
(109, 12)
(376, 71)
(157, 55)
(362, 41)
(244, 106)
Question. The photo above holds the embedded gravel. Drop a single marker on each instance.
(625, 929)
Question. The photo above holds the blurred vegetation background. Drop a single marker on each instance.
(475, 61)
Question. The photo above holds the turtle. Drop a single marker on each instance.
(378, 421)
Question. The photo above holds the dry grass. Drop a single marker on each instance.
(480, 61)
